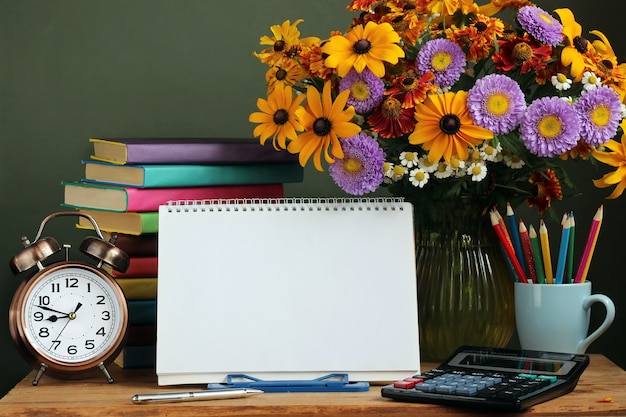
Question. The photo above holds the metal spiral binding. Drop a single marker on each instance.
(288, 204)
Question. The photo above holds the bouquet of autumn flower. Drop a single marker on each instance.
(440, 98)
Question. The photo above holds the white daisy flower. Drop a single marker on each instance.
(397, 172)
(444, 170)
(388, 169)
(513, 161)
(590, 81)
(419, 177)
(489, 152)
(478, 171)
(426, 165)
(561, 82)
(458, 166)
(408, 159)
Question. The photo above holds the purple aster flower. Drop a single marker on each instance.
(361, 169)
(496, 102)
(366, 90)
(599, 113)
(540, 25)
(550, 127)
(444, 58)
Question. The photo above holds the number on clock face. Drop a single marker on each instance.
(72, 315)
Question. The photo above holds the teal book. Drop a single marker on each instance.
(154, 176)
(142, 312)
(137, 357)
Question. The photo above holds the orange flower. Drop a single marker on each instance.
(546, 187)
(445, 128)
(616, 158)
(324, 122)
(364, 47)
(277, 118)
(578, 48)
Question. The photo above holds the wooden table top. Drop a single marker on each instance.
(94, 397)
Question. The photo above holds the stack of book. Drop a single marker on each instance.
(139, 283)
(125, 182)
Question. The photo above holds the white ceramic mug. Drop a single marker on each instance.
(555, 317)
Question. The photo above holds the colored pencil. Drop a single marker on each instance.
(508, 247)
(501, 223)
(570, 250)
(545, 251)
(538, 261)
(562, 259)
(585, 261)
(528, 251)
(502, 227)
(515, 238)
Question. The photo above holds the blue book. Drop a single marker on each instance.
(154, 176)
(135, 357)
(142, 312)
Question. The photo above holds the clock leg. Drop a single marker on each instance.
(106, 373)
(40, 373)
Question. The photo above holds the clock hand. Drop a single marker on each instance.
(71, 316)
(51, 309)
(53, 318)
(56, 339)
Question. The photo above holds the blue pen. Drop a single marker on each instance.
(560, 266)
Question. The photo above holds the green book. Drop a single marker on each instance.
(154, 176)
(133, 223)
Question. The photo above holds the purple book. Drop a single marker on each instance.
(186, 151)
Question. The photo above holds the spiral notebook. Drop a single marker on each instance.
(286, 289)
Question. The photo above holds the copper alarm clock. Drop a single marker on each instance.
(69, 318)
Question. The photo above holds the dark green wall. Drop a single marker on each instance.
(71, 69)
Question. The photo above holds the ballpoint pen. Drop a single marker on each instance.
(194, 395)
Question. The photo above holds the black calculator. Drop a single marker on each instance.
(493, 378)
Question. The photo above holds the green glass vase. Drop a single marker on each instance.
(464, 282)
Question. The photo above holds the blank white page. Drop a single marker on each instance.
(286, 289)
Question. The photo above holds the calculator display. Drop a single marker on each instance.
(494, 362)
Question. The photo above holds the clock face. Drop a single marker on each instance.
(72, 315)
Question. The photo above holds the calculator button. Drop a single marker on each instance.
(445, 389)
(466, 390)
(425, 387)
(529, 387)
(404, 384)
(507, 394)
(478, 385)
(491, 391)
(490, 381)
(414, 379)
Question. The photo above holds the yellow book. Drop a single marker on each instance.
(138, 288)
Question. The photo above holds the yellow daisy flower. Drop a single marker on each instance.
(285, 42)
(364, 47)
(445, 128)
(443, 7)
(277, 118)
(611, 71)
(324, 121)
(496, 6)
(617, 159)
(287, 72)
(577, 48)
